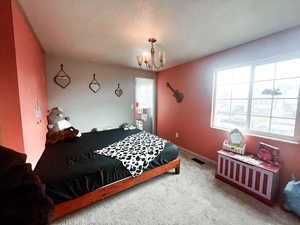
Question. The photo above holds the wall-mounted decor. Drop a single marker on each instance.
(62, 79)
(94, 85)
(118, 91)
(178, 95)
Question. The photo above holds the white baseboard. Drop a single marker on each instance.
(200, 157)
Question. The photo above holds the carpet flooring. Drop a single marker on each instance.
(194, 197)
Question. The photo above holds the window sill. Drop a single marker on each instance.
(262, 136)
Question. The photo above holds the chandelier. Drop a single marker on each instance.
(152, 60)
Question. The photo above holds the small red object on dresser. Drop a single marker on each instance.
(253, 176)
(268, 153)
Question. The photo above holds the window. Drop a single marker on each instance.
(259, 99)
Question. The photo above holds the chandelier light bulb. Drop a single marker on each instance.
(162, 57)
(140, 60)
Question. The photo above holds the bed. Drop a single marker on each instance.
(75, 176)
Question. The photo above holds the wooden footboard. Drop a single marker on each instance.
(65, 208)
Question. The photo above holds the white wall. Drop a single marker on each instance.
(86, 109)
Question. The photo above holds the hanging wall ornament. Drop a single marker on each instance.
(178, 95)
(118, 91)
(94, 85)
(62, 79)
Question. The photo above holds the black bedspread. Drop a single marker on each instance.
(70, 169)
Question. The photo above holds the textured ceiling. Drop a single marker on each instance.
(115, 31)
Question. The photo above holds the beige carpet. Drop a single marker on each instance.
(193, 197)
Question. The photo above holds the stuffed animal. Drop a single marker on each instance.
(59, 127)
(68, 133)
(292, 196)
(127, 126)
(94, 130)
(57, 120)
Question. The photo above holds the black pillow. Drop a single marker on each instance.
(10, 158)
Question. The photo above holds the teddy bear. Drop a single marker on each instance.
(59, 127)
(57, 120)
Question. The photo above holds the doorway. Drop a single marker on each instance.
(145, 104)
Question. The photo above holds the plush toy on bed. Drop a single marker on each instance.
(59, 127)
(127, 126)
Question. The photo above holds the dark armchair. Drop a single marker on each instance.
(22, 195)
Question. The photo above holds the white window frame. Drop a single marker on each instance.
(248, 131)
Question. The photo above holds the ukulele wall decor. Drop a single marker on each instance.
(178, 95)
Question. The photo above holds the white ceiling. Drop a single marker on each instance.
(115, 31)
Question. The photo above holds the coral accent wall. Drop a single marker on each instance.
(10, 117)
(192, 117)
(32, 85)
(22, 83)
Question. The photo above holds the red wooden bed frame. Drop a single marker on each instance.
(65, 208)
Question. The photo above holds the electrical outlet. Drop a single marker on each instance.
(177, 135)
